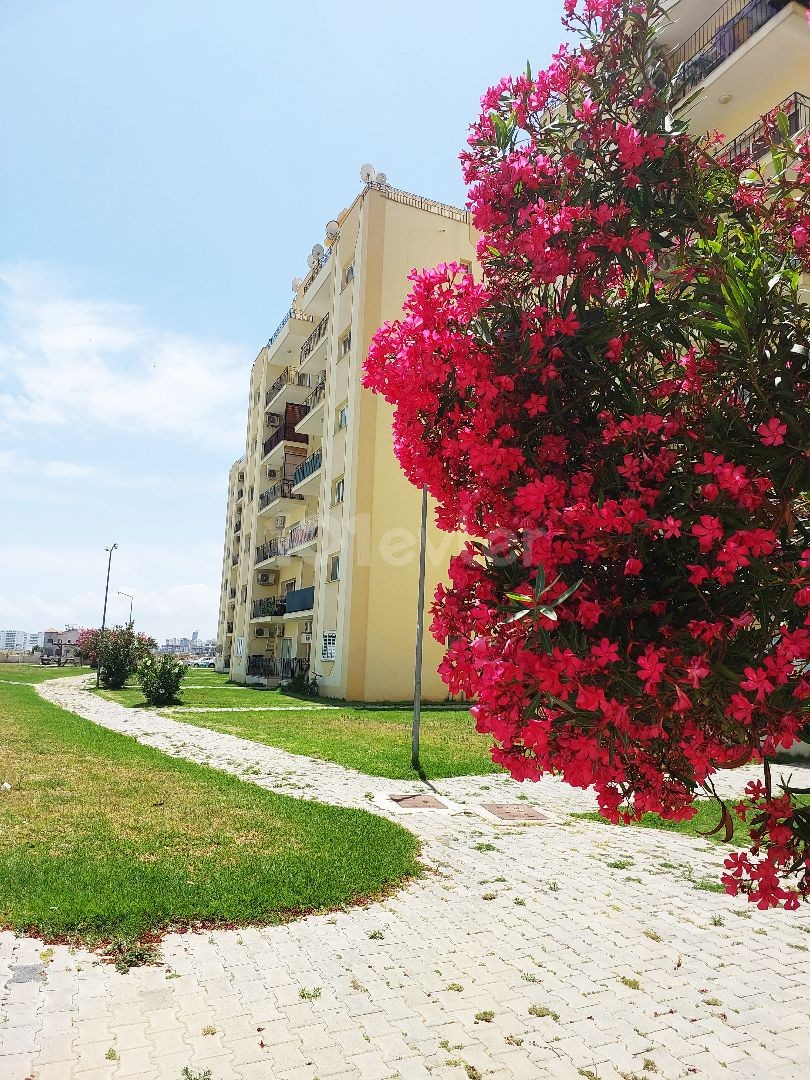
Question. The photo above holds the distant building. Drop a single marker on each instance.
(61, 643)
(192, 646)
(14, 640)
(35, 641)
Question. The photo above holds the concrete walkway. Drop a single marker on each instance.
(560, 950)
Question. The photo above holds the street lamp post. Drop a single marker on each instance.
(420, 622)
(121, 593)
(104, 615)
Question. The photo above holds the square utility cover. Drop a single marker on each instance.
(507, 813)
(415, 802)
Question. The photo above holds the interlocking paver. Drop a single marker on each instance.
(579, 930)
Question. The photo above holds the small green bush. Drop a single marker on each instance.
(160, 678)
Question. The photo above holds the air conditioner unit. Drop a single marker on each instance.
(268, 577)
(281, 521)
(306, 638)
(272, 473)
(272, 419)
(259, 631)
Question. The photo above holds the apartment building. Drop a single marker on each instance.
(320, 567)
(15, 640)
(742, 59)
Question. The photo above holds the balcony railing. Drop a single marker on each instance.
(292, 312)
(282, 489)
(269, 607)
(761, 136)
(317, 335)
(298, 535)
(237, 527)
(239, 494)
(308, 467)
(300, 600)
(455, 213)
(728, 29)
(288, 377)
(313, 273)
(267, 551)
(269, 667)
(284, 432)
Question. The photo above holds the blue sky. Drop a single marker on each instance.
(167, 168)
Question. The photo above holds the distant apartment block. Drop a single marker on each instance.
(14, 640)
(320, 565)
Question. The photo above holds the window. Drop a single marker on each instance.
(289, 586)
(348, 274)
(465, 264)
(334, 568)
(338, 491)
(342, 416)
(345, 344)
(329, 645)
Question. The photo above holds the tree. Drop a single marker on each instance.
(116, 652)
(160, 678)
(617, 415)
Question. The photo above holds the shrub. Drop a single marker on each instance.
(118, 652)
(160, 678)
(616, 412)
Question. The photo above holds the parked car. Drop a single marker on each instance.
(204, 661)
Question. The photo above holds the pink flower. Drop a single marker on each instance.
(772, 433)
(633, 567)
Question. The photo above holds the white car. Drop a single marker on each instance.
(206, 661)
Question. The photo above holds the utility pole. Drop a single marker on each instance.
(420, 622)
(104, 615)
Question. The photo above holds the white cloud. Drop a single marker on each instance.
(173, 590)
(94, 364)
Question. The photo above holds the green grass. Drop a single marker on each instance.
(102, 839)
(35, 673)
(374, 741)
(706, 819)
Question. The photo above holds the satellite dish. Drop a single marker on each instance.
(332, 230)
(367, 174)
(296, 284)
(317, 252)
(382, 179)
(312, 262)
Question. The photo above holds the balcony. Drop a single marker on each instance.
(283, 489)
(315, 338)
(237, 527)
(235, 560)
(266, 551)
(300, 600)
(281, 668)
(312, 403)
(294, 323)
(737, 62)
(240, 495)
(305, 532)
(296, 385)
(284, 433)
(308, 468)
(229, 628)
(232, 594)
(760, 137)
(269, 608)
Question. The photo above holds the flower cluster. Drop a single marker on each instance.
(615, 414)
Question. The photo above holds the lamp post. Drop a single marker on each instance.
(110, 550)
(420, 622)
(121, 593)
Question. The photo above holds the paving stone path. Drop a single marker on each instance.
(562, 950)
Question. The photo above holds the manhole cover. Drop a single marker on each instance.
(26, 973)
(418, 802)
(513, 812)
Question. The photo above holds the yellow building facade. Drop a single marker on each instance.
(320, 569)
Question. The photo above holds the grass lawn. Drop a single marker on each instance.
(706, 818)
(34, 673)
(375, 741)
(102, 839)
